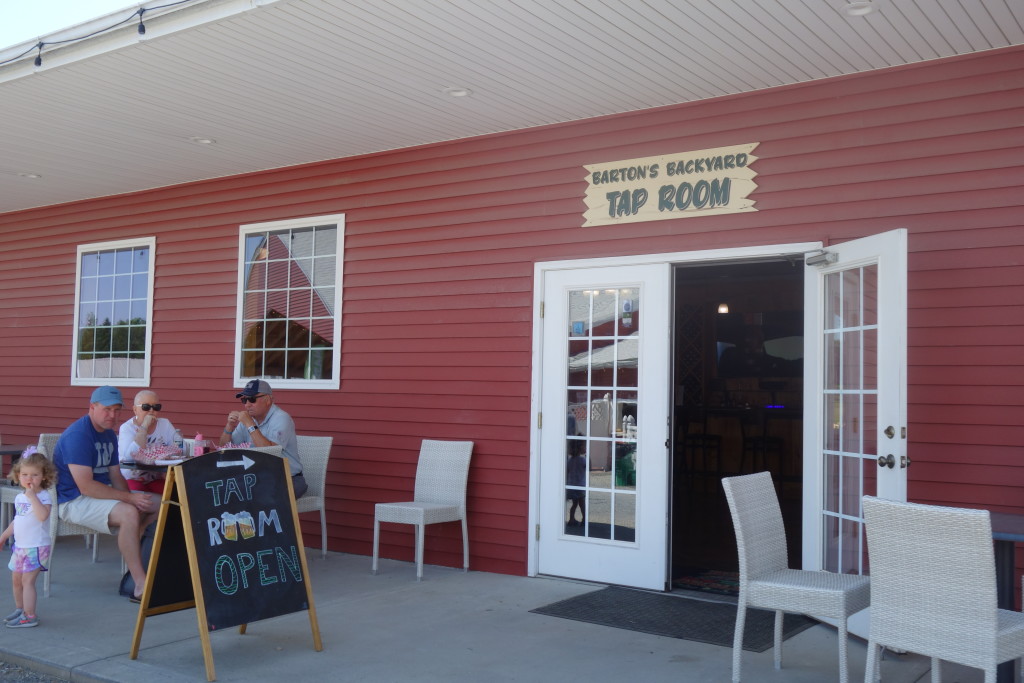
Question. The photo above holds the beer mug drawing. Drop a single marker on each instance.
(229, 524)
(246, 524)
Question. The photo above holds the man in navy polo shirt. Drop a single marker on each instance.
(91, 490)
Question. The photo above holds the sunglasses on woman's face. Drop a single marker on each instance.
(251, 399)
(152, 406)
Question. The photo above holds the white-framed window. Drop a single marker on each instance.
(113, 313)
(289, 302)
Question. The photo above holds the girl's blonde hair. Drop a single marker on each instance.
(35, 459)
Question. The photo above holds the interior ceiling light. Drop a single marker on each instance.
(723, 308)
(457, 92)
(858, 8)
(202, 141)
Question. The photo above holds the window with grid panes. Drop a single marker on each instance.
(289, 322)
(113, 309)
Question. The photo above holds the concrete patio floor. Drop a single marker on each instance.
(452, 626)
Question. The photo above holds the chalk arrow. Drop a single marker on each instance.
(245, 462)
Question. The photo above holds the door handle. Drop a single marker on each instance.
(889, 431)
(887, 461)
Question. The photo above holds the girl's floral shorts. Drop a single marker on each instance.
(26, 560)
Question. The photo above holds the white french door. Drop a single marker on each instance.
(855, 440)
(603, 493)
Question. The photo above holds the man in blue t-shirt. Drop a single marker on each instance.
(91, 490)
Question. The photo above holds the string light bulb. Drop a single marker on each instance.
(39, 57)
(142, 27)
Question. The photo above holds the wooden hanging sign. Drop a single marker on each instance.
(227, 520)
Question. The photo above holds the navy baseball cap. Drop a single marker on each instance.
(254, 387)
(107, 395)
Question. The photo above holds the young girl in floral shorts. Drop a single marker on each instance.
(30, 528)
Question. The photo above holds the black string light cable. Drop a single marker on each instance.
(137, 13)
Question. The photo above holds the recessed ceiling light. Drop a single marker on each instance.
(859, 8)
(26, 174)
(457, 92)
(202, 141)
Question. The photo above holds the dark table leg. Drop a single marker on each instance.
(1004, 551)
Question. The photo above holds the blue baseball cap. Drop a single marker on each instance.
(255, 386)
(107, 395)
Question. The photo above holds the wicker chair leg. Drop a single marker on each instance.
(376, 545)
(737, 639)
(844, 672)
(779, 615)
(871, 666)
(420, 533)
(465, 544)
(323, 533)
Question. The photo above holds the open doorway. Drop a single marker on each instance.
(738, 391)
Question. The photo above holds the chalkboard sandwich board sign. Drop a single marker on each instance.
(228, 517)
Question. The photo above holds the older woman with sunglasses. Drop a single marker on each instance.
(145, 430)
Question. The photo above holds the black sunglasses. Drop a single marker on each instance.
(152, 406)
(251, 399)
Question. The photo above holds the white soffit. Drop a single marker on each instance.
(282, 82)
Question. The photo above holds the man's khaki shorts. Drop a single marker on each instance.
(91, 512)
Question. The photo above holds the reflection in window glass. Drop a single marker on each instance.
(602, 343)
(113, 294)
(289, 329)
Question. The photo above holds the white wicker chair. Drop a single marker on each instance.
(766, 581)
(440, 496)
(933, 588)
(314, 452)
(62, 527)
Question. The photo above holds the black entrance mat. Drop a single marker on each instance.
(669, 615)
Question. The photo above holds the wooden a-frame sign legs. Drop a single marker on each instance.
(246, 560)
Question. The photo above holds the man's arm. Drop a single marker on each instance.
(94, 489)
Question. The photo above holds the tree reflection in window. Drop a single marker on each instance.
(113, 300)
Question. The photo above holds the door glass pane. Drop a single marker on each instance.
(626, 374)
(832, 422)
(579, 362)
(851, 298)
(869, 287)
(869, 429)
(851, 371)
(602, 363)
(851, 423)
(833, 308)
(625, 517)
(599, 511)
(851, 487)
(602, 403)
(833, 362)
(832, 482)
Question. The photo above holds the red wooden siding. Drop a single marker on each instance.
(440, 246)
